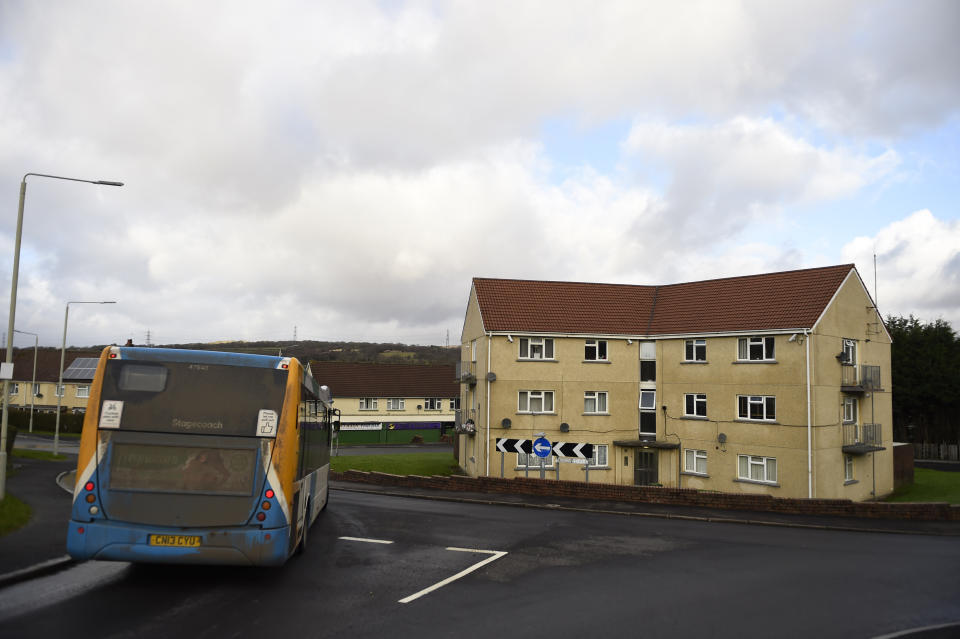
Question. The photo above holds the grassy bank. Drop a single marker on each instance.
(401, 464)
(29, 453)
(13, 514)
(930, 485)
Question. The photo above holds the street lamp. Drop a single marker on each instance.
(33, 382)
(13, 311)
(60, 389)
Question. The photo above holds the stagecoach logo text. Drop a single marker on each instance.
(188, 425)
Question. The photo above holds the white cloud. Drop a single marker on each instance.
(918, 266)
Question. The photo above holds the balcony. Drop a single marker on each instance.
(464, 421)
(467, 373)
(860, 379)
(860, 439)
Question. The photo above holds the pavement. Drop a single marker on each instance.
(46, 486)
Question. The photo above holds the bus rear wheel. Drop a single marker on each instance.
(302, 546)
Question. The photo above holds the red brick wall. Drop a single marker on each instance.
(658, 495)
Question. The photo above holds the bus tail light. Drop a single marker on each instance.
(261, 516)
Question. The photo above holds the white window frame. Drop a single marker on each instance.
(601, 456)
(525, 399)
(850, 351)
(536, 348)
(368, 403)
(14, 388)
(848, 468)
(652, 397)
(530, 460)
(850, 410)
(396, 403)
(432, 403)
(765, 402)
(766, 344)
(36, 389)
(600, 403)
(83, 391)
(699, 401)
(766, 468)
(58, 389)
(693, 346)
(455, 403)
(600, 350)
(473, 350)
(692, 459)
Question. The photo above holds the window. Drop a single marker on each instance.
(595, 402)
(368, 403)
(36, 390)
(14, 388)
(757, 407)
(396, 403)
(532, 461)
(648, 361)
(433, 403)
(536, 348)
(600, 452)
(648, 412)
(752, 468)
(535, 402)
(59, 390)
(695, 461)
(455, 403)
(755, 349)
(648, 400)
(849, 410)
(695, 350)
(83, 391)
(473, 351)
(695, 405)
(595, 350)
(848, 467)
(849, 352)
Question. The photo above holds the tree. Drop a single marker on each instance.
(926, 376)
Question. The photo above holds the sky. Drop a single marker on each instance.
(342, 170)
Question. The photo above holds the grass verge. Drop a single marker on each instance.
(13, 514)
(29, 453)
(930, 485)
(405, 464)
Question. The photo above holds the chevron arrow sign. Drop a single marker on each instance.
(570, 449)
(515, 446)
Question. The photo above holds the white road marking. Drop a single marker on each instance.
(496, 554)
(366, 541)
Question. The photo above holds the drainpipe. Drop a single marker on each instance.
(487, 378)
(806, 339)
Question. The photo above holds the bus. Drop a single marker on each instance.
(200, 457)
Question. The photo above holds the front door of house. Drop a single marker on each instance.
(645, 468)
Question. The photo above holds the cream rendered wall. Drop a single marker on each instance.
(851, 316)
(722, 378)
(70, 401)
(472, 452)
(350, 408)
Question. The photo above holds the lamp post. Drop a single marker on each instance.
(60, 389)
(33, 382)
(13, 311)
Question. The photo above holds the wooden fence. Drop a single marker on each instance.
(945, 452)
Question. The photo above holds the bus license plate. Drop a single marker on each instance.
(179, 541)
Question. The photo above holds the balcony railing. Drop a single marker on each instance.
(859, 379)
(859, 439)
(467, 372)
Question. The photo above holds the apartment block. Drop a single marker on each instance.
(776, 383)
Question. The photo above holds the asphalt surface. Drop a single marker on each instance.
(40, 546)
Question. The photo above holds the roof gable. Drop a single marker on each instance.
(769, 301)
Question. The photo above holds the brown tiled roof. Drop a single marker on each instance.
(350, 379)
(784, 300)
(48, 363)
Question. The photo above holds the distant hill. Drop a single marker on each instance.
(306, 351)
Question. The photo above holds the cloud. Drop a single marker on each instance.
(918, 266)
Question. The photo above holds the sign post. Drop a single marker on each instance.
(542, 448)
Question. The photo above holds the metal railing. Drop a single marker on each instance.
(869, 434)
(466, 372)
(865, 377)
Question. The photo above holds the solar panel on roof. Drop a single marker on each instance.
(81, 368)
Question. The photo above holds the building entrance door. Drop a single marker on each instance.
(645, 468)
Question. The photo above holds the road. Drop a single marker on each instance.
(563, 574)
